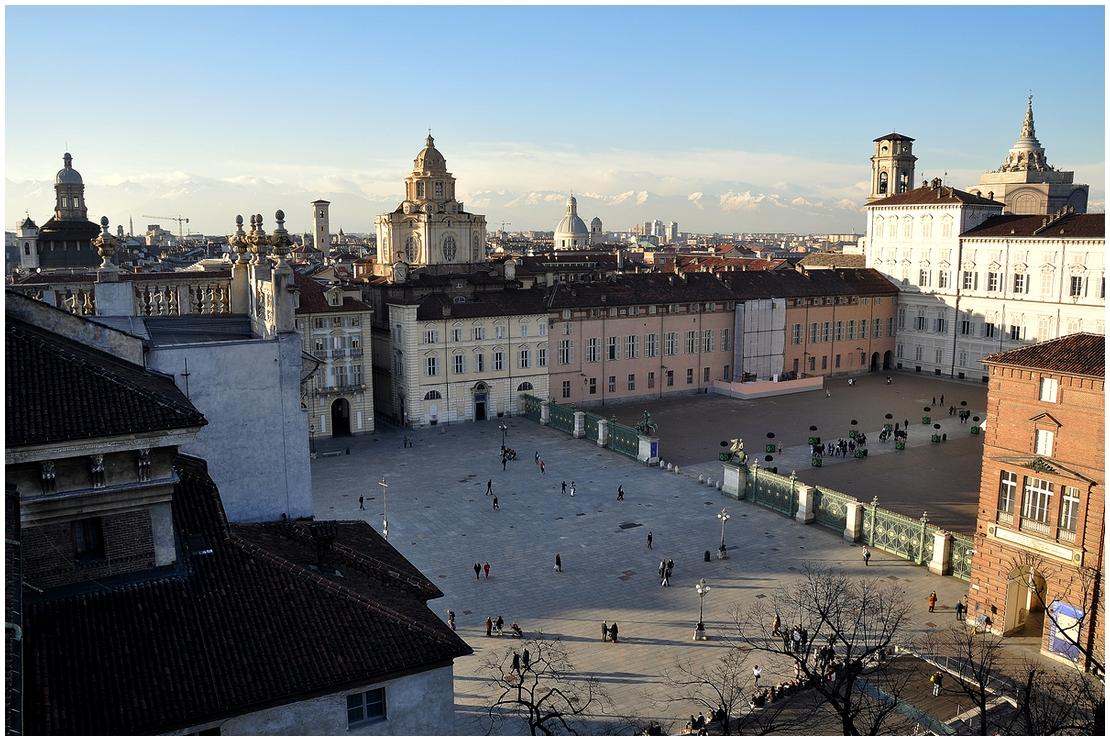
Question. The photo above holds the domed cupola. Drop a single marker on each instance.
(69, 192)
(429, 159)
(571, 233)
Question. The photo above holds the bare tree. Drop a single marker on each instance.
(546, 692)
(1055, 701)
(972, 660)
(855, 622)
(717, 686)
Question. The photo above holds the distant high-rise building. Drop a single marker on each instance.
(891, 166)
(321, 231)
(658, 229)
(672, 235)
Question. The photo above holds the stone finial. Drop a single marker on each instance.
(257, 239)
(238, 240)
(105, 245)
(280, 239)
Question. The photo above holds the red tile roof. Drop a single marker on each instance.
(833, 260)
(313, 301)
(1082, 354)
(930, 196)
(1077, 226)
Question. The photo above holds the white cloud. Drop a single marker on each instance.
(695, 198)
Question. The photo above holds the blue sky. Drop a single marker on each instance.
(722, 118)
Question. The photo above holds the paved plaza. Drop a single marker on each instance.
(941, 478)
(441, 520)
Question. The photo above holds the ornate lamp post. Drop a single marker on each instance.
(504, 431)
(723, 516)
(312, 441)
(385, 509)
(699, 629)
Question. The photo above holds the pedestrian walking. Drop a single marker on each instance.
(504, 462)
(572, 488)
(558, 563)
(936, 679)
(451, 619)
(780, 449)
(620, 493)
(934, 401)
(905, 424)
(543, 468)
(866, 556)
(516, 663)
(613, 632)
(564, 487)
(489, 626)
(489, 488)
(477, 570)
(942, 399)
(796, 639)
(776, 626)
(526, 659)
(932, 600)
(756, 673)
(604, 632)
(961, 610)
(828, 394)
(500, 625)
(486, 569)
(797, 670)
(537, 457)
(889, 380)
(495, 504)
(649, 539)
(360, 502)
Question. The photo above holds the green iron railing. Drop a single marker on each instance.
(561, 417)
(531, 408)
(960, 556)
(592, 426)
(623, 439)
(773, 491)
(895, 533)
(831, 509)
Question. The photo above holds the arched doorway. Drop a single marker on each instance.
(874, 362)
(888, 360)
(1025, 596)
(340, 418)
(481, 398)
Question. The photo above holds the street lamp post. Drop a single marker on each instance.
(699, 629)
(504, 431)
(312, 441)
(385, 509)
(723, 516)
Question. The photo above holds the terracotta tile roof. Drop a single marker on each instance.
(1078, 226)
(796, 284)
(833, 260)
(313, 301)
(57, 389)
(929, 196)
(248, 622)
(640, 288)
(1081, 354)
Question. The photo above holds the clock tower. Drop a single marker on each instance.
(891, 166)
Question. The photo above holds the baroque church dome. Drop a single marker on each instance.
(571, 231)
(67, 175)
(429, 159)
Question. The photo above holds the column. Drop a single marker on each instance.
(853, 526)
(602, 433)
(942, 553)
(807, 502)
(545, 412)
(579, 425)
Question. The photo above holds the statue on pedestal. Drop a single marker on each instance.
(645, 426)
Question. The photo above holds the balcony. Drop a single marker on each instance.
(342, 388)
(356, 352)
(1065, 536)
(336, 354)
(1005, 518)
(1033, 526)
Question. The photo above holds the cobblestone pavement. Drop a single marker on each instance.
(691, 429)
(441, 520)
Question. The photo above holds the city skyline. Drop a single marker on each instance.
(672, 131)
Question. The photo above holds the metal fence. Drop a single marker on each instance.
(531, 406)
(960, 557)
(592, 426)
(897, 534)
(624, 439)
(831, 509)
(770, 490)
(561, 417)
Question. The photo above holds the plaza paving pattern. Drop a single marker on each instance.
(441, 520)
(942, 478)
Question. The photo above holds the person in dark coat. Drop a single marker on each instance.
(613, 632)
(500, 625)
(604, 632)
(489, 626)
(477, 570)
(516, 662)
(526, 659)
(558, 563)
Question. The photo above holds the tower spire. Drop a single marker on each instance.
(1028, 130)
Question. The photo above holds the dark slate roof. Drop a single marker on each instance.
(896, 137)
(795, 284)
(640, 288)
(930, 196)
(80, 231)
(249, 625)
(510, 302)
(313, 301)
(833, 260)
(58, 390)
(54, 278)
(13, 611)
(1079, 226)
(1082, 354)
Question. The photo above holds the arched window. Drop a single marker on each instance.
(524, 387)
(476, 252)
(432, 395)
(449, 249)
(26, 248)
(883, 183)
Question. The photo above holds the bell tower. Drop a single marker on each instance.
(321, 230)
(891, 166)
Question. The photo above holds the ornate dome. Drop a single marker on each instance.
(571, 227)
(1027, 152)
(67, 175)
(429, 159)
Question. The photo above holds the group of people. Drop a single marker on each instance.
(479, 568)
(497, 626)
(699, 725)
(609, 632)
(665, 568)
(844, 447)
(571, 490)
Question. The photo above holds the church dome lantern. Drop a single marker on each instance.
(429, 158)
(67, 175)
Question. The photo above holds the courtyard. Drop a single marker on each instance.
(442, 521)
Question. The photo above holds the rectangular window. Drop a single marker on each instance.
(341, 376)
(899, 351)
(839, 331)
(940, 324)
(364, 707)
(591, 350)
(88, 539)
(593, 385)
(612, 384)
(651, 379)
(1076, 286)
(836, 361)
(919, 321)
(525, 358)
(965, 327)
(824, 362)
(1069, 509)
(851, 329)
(1019, 283)
(460, 364)
(541, 357)
(942, 279)
(863, 329)
(707, 341)
(632, 346)
(1043, 442)
(566, 329)
(479, 333)
(923, 278)
(877, 327)
(989, 329)
(917, 352)
(432, 367)
(992, 281)
(901, 317)
(971, 280)
(826, 334)
(566, 352)
(430, 336)
(671, 343)
(670, 378)
(652, 345)
(480, 362)
(726, 340)
(691, 342)
(456, 334)
(319, 323)
(498, 360)
(963, 358)
(499, 332)
(566, 389)
(1049, 387)
(543, 328)
(523, 329)
(705, 375)
(938, 356)
(1017, 332)
(631, 381)
(613, 349)
(889, 327)
(814, 329)
(1036, 500)
(796, 335)
(1007, 491)
(689, 375)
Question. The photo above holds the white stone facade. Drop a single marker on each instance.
(342, 341)
(459, 369)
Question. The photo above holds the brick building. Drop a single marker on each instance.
(1037, 567)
